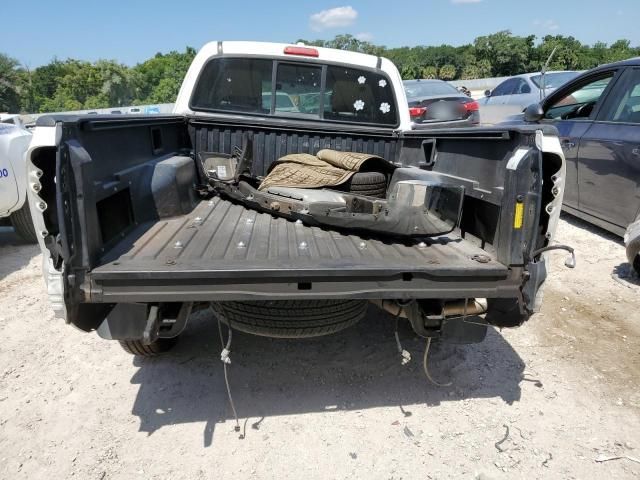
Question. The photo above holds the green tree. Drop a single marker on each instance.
(621, 50)
(447, 72)
(346, 42)
(160, 77)
(73, 84)
(9, 95)
(568, 54)
(41, 83)
(507, 54)
(429, 72)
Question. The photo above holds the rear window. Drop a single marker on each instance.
(301, 90)
(234, 85)
(418, 89)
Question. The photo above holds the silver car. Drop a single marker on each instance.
(522, 90)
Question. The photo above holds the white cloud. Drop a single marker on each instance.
(333, 18)
(551, 25)
(457, 2)
(364, 36)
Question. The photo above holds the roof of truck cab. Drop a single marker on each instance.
(277, 50)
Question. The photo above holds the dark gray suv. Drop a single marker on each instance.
(598, 117)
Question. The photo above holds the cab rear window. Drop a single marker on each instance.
(307, 90)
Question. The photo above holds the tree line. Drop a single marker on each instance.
(497, 55)
(63, 85)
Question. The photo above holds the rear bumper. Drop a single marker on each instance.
(319, 287)
(471, 121)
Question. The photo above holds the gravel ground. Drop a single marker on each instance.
(548, 400)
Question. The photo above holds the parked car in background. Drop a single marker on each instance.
(523, 90)
(598, 118)
(284, 103)
(434, 101)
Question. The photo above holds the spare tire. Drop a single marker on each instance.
(140, 349)
(291, 318)
(372, 184)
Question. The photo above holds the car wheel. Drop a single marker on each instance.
(23, 224)
(632, 244)
(291, 318)
(160, 346)
(372, 184)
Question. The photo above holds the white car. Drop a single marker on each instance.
(14, 209)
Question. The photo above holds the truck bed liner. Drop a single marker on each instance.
(221, 243)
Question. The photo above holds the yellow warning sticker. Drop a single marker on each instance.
(519, 215)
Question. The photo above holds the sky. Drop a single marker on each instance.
(36, 31)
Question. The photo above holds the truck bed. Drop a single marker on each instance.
(225, 251)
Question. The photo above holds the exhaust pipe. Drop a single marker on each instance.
(457, 321)
(474, 306)
(391, 306)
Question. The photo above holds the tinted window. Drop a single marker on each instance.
(294, 82)
(429, 88)
(233, 84)
(625, 105)
(522, 87)
(243, 85)
(505, 88)
(360, 96)
(581, 101)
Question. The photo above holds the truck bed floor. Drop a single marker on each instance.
(224, 248)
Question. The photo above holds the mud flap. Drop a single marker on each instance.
(126, 321)
(464, 331)
(140, 321)
(506, 312)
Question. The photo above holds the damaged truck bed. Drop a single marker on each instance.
(142, 219)
(225, 251)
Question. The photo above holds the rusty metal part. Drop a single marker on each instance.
(477, 306)
(390, 306)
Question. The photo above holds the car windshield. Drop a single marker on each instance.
(428, 89)
(553, 80)
(302, 90)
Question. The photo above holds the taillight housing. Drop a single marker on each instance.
(415, 112)
(471, 106)
(302, 51)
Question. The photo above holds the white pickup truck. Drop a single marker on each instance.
(138, 230)
(14, 208)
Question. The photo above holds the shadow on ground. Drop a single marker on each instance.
(356, 369)
(14, 252)
(626, 275)
(591, 228)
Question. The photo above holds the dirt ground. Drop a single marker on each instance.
(551, 399)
